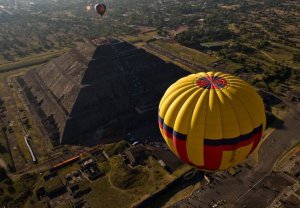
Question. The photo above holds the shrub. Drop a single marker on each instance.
(3, 174)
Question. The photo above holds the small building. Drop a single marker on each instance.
(94, 173)
(91, 169)
(50, 175)
(54, 187)
(78, 203)
(166, 158)
(162, 163)
(136, 155)
(40, 193)
(98, 154)
(86, 162)
(291, 202)
(73, 188)
(295, 96)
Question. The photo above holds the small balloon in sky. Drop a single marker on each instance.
(100, 9)
(88, 7)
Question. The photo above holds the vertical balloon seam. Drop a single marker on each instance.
(165, 106)
(222, 133)
(182, 149)
(164, 123)
(248, 91)
(207, 104)
(218, 98)
(161, 122)
(249, 115)
(202, 102)
(237, 121)
(176, 90)
(237, 150)
(192, 114)
(169, 99)
(234, 150)
(180, 97)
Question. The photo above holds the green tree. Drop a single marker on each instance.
(3, 174)
(296, 57)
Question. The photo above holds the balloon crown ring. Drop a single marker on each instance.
(211, 82)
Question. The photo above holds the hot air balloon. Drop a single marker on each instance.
(88, 7)
(100, 9)
(211, 121)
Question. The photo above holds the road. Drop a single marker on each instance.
(239, 190)
(5, 10)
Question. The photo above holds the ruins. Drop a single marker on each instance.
(97, 90)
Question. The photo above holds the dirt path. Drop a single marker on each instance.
(267, 55)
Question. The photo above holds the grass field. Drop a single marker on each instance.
(29, 61)
(17, 191)
(298, 192)
(166, 59)
(39, 143)
(283, 53)
(276, 52)
(121, 187)
(181, 194)
(234, 28)
(192, 55)
(4, 149)
(17, 131)
(232, 67)
(104, 195)
(140, 38)
(14, 101)
(173, 48)
(19, 149)
(114, 148)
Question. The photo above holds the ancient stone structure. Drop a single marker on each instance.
(97, 88)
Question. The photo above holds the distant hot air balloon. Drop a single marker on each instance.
(100, 9)
(88, 7)
(211, 120)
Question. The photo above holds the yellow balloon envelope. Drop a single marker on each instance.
(211, 120)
